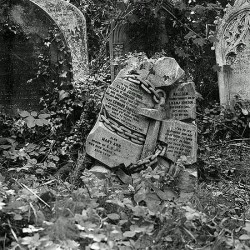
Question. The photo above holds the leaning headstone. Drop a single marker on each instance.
(233, 53)
(134, 120)
(39, 48)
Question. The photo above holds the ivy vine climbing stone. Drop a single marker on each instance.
(42, 46)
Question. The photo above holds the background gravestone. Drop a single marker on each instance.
(233, 53)
(72, 23)
(34, 54)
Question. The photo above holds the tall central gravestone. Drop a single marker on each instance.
(42, 44)
(233, 53)
(146, 109)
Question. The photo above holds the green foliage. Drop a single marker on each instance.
(218, 123)
(105, 214)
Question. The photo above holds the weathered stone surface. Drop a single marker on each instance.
(180, 139)
(153, 113)
(181, 102)
(21, 51)
(135, 114)
(165, 72)
(233, 53)
(111, 149)
(122, 100)
(72, 23)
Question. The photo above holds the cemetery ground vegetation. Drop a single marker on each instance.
(50, 198)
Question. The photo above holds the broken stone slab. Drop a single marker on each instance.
(110, 148)
(181, 102)
(180, 139)
(122, 100)
(165, 72)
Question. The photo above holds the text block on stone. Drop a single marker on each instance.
(180, 139)
(122, 101)
(182, 102)
(111, 149)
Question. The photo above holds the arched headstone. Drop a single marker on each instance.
(72, 23)
(38, 52)
(233, 53)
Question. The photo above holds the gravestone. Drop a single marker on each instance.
(72, 23)
(233, 53)
(118, 45)
(39, 48)
(138, 116)
(181, 104)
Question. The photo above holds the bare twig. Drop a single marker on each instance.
(24, 186)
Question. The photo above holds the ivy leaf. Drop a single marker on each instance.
(64, 74)
(24, 114)
(133, 18)
(244, 237)
(39, 122)
(43, 116)
(216, 68)
(33, 113)
(181, 53)
(17, 217)
(199, 41)
(63, 94)
(113, 216)
(189, 35)
(212, 39)
(30, 120)
(129, 234)
(247, 227)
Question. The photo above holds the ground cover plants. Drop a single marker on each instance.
(51, 199)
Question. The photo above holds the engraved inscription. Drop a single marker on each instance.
(182, 102)
(122, 101)
(110, 148)
(180, 138)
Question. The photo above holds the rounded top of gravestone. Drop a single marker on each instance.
(165, 72)
(241, 2)
(139, 66)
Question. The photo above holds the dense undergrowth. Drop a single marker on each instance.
(50, 199)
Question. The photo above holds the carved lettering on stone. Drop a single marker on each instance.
(110, 148)
(135, 111)
(181, 102)
(122, 101)
(180, 139)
